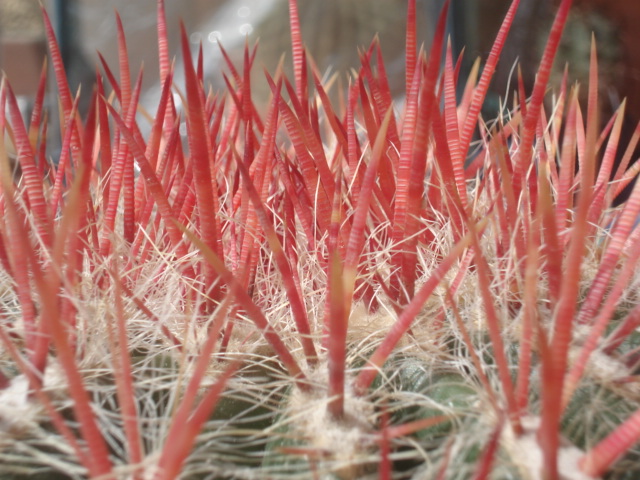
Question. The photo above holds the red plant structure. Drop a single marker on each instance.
(382, 289)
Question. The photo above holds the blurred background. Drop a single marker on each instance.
(332, 30)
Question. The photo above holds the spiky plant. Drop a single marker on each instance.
(310, 292)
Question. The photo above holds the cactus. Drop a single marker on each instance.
(372, 290)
